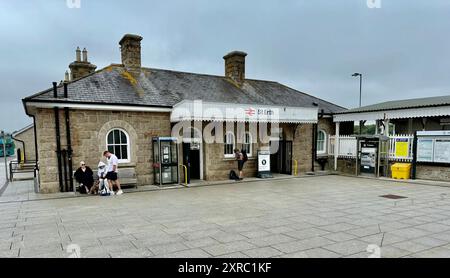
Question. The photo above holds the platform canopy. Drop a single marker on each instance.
(400, 109)
(197, 110)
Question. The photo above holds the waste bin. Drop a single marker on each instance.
(401, 171)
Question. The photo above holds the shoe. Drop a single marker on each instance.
(120, 192)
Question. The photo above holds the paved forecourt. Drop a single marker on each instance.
(328, 216)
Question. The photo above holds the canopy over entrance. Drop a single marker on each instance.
(197, 110)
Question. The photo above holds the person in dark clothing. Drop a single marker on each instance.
(240, 160)
(85, 177)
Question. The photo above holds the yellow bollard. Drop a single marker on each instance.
(295, 167)
(185, 174)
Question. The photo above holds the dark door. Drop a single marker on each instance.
(191, 158)
(281, 161)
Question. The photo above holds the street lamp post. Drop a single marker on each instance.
(360, 95)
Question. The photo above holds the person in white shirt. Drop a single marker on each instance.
(113, 164)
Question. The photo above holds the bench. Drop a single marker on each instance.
(127, 178)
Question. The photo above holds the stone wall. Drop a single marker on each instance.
(89, 129)
(27, 137)
(430, 172)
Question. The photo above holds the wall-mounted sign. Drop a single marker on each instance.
(401, 147)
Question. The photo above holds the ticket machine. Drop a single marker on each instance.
(372, 158)
(165, 160)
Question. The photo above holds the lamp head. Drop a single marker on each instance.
(356, 74)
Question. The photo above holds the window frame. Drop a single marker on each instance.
(324, 150)
(225, 143)
(250, 143)
(128, 144)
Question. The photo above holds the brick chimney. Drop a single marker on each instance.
(80, 68)
(235, 66)
(130, 48)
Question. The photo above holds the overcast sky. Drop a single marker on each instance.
(402, 48)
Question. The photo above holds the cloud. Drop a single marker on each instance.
(314, 46)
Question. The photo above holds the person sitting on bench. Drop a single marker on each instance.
(85, 177)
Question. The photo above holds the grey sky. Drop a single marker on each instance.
(403, 48)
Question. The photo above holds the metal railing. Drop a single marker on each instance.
(400, 147)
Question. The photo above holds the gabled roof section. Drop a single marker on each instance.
(114, 85)
(402, 104)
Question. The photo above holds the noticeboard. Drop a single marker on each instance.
(401, 147)
(425, 150)
(433, 146)
(442, 150)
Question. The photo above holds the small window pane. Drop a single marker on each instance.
(116, 136)
(117, 151)
(124, 152)
(111, 149)
(111, 138)
(123, 138)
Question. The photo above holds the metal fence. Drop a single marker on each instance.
(400, 147)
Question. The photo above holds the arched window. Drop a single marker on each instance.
(118, 143)
(247, 146)
(321, 142)
(228, 149)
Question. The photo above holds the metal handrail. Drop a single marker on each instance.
(185, 175)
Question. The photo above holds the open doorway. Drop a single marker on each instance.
(193, 154)
(281, 161)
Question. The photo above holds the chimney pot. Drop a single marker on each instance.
(85, 58)
(80, 68)
(78, 52)
(130, 48)
(235, 66)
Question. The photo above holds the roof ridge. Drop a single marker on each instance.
(300, 92)
(204, 74)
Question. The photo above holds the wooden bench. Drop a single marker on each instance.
(127, 178)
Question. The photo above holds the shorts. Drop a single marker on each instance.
(240, 164)
(111, 176)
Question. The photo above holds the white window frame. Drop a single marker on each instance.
(128, 144)
(324, 150)
(226, 155)
(250, 149)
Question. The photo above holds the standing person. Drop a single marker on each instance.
(240, 160)
(113, 164)
(85, 177)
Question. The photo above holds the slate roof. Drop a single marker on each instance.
(402, 104)
(165, 88)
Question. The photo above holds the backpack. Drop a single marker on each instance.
(233, 175)
(244, 155)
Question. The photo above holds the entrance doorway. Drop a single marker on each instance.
(281, 161)
(193, 154)
(191, 158)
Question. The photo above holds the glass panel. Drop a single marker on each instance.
(111, 149)
(110, 138)
(320, 135)
(124, 152)
(116, 136)
(123, 138)
(117, 151)
(320, 146)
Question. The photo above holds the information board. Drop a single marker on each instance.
(442, 150)
(401, 147)
(425, 149)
